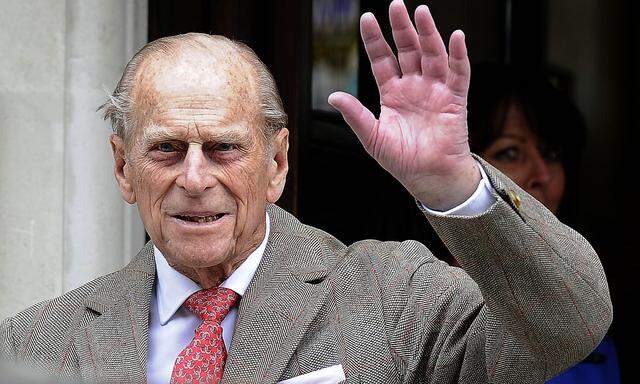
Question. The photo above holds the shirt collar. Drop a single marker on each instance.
(173, 288)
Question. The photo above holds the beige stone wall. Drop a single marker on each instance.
(62, 221)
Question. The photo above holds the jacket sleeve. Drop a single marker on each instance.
(533, 299)
(7, 347)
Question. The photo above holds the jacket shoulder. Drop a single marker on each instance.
(392, 255)
(399, 273)
(387, 255)
(395, 265)
(52, 320)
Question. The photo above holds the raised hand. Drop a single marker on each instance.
(421, 135)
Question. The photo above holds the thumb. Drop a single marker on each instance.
(359, 118)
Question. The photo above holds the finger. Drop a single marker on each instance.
(383, 61)
(406, 38)
(359, 118)
(434, 54)
(460, 68)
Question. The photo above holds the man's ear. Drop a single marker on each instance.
(121, 168)
(278, 165)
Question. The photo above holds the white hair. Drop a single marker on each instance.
(119, 106)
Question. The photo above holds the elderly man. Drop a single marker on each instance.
(233, 289)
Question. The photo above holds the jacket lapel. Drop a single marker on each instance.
(114, 346)
(283, 298)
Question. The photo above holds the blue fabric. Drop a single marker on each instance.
(600, 367)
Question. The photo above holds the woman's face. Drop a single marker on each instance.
(533, 165)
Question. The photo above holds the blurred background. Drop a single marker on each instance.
(62, 221)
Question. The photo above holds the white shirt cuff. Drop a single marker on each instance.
(478, 203)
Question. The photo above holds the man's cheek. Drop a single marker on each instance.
(152, 183)
(235, 180)
(151, 175)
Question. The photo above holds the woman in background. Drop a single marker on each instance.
(532, 132)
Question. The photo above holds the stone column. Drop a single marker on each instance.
(62, 221)
(100, 38)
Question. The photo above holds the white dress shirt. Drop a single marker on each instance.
(172, 326)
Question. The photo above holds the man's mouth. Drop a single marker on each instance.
(200, 219)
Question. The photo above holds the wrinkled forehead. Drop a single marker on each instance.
(207, 80)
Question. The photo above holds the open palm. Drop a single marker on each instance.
(421, 135)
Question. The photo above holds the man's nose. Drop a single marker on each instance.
(196, 175)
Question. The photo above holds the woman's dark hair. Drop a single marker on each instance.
(550, 114)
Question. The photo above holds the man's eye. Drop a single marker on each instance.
(224, 147)
(166, 147)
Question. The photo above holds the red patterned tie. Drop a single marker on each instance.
(202, 361)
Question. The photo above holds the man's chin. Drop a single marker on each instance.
(199, 237)
(198, 255)
(197, 249)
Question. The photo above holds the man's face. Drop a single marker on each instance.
(197, 165)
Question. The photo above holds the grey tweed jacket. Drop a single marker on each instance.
(532, 299)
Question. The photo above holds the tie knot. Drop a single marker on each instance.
(212, 304)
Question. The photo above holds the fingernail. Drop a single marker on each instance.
(331, 98)
(367, 14)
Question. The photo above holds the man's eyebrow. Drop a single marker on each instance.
(229, 135)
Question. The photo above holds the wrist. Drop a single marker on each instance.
(442, 193)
